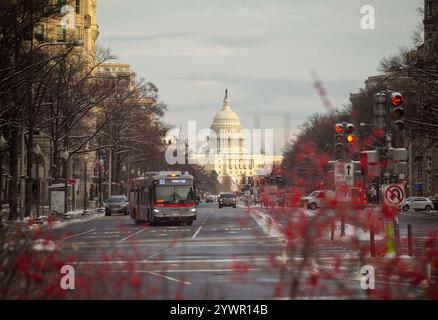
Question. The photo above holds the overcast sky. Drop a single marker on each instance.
(262, 50)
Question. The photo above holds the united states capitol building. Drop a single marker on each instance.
(233, 152)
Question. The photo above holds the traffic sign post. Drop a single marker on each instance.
(393, 196)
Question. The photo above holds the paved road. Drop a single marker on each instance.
(226, 254)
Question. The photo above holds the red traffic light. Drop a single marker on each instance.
(339, 128)
(396, 100)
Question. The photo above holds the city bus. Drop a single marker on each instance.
(163, 197)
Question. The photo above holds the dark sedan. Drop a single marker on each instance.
(116, 204)
(227, 199)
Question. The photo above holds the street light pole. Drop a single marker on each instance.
(127, 181)
(86, 157)
(37, 151)
(100, 180)
(65, 156)
(3, 144)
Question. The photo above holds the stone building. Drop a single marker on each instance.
(77, 26)
(230, 151)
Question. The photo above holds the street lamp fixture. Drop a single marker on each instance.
(65, 155)
(3, 143)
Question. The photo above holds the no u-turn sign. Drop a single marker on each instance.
(394, 194)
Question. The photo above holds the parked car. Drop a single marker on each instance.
(227, 199)
(435, 202)
(418, 203)
(210, 198)
(116, 204)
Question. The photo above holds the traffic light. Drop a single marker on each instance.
(339, 141)
(380, 111)
(397, 111)
(350, 134)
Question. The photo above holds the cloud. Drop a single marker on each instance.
(148, 37)
(243, 40)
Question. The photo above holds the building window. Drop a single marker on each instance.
(78, 6)
(39, 33)
(61, 34)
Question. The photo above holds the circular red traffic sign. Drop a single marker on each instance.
(394, 195)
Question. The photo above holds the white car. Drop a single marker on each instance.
(418, 203)
(318, 199)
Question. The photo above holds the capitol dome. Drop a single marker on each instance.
(226, 118)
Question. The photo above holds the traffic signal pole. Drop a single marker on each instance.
(344, 138)
(388, 116)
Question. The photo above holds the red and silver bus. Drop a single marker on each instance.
(163, 197)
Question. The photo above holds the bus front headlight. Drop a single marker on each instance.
(156, 210)
(193, 210)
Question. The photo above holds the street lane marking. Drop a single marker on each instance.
(168, 278)
(134, 234)
(196, 233)
(100, 237)
(146, 271)
(78, 234)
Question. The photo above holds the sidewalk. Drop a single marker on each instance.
(59, 221)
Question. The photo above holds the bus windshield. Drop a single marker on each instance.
(174, 194)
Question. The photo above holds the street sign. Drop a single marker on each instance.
(344, 173)
(349, 174)
(343, 194)
(72, 182)
(394, 194)
(339, 173)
